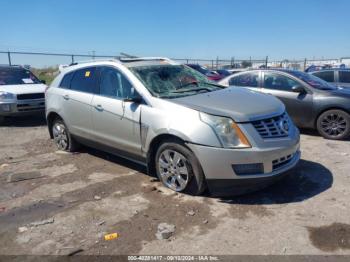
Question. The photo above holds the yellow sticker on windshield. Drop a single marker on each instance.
(87, 73)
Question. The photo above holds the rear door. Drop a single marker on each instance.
(299, 105)
(116, 122)
(77, 94)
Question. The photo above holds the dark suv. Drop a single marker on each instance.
(310, 101)
(337, 76)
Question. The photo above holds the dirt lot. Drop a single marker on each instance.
(68, 202)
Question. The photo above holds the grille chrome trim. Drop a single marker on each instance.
(273, 127)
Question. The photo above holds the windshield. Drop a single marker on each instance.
(171, 81)
(17, 76)
(313, 81)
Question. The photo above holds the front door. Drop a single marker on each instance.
(116, 123)
(298, 105)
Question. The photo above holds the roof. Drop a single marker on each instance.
(128, 62)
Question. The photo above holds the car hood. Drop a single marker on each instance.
(23, 89)
(240, 104)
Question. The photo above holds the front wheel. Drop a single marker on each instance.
(178, 168)
(334, 124)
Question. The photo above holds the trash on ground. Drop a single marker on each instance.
(22, 229)
(165, 231)
(97, 198)
(4, 166)
(16, 177)
(191, 213)
(42, 222)
(111, 236)
(2, 209)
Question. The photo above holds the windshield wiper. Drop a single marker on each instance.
(211, 84)
(187, 84)
(192, 90)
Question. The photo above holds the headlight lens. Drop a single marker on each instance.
(5, 96)
(228, 132)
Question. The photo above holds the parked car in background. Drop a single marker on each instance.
(223, 72)
(211, 75)
(310, 101)
(188, 130)
(337, 76)
(21, 92)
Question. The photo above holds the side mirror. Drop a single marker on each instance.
(136, 99)
(298, 89)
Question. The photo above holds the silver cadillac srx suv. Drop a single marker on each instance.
(191, 132)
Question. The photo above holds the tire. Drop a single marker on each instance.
(2, 119)
(334, 124)
(175, 163)
(63, 139)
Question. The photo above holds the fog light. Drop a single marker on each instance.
(5, 108)
(248, 169)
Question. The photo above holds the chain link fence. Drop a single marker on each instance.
(45, 60)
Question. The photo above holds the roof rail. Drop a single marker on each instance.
(136, 59)
(94, 60)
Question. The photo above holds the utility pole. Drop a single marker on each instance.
(9, 57)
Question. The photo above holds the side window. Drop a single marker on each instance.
(344, 76)
(114, 84)
(65, 83)
(249, 80)
(325, 75)
(279, 82)
(85, 80)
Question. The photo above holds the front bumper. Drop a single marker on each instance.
(218, 166)
(22, 107)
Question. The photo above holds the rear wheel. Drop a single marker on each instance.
(178, 168)
(63, 139)
(334, 124)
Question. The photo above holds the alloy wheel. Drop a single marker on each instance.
(333, 124)
(173, 170)
(60, 136)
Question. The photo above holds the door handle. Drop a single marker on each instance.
(66, 97)
(99, 108)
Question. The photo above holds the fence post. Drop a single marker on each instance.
(266, 61)
(217, 62)
(9, 57)
(212, 64)
(305, 61)
(72, 59)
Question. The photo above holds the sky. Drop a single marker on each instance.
(280, 29)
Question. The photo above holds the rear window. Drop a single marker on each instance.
(85, 80)
(344, 76)
(325, 75)
(17, 76)
(65, 83)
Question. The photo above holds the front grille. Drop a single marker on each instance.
(30, 96)
(31, 107)
(277, 163)
(274, 127)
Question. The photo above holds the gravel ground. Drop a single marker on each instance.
(58, 203)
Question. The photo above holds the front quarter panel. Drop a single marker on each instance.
(166, 118)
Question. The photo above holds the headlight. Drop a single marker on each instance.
(228, 132)
(4, 96)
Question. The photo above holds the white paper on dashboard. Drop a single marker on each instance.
(27, 81)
